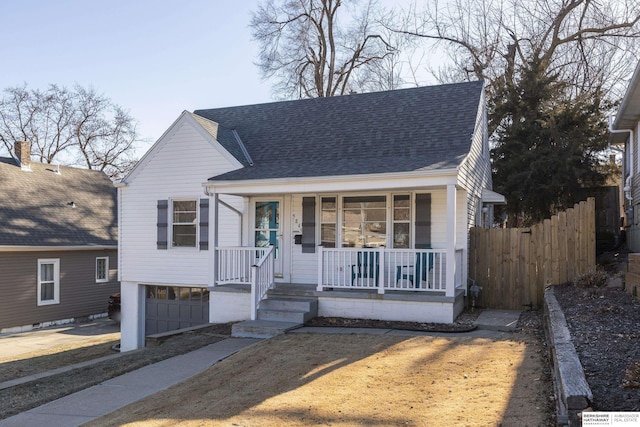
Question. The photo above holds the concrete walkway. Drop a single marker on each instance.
(498, 320)
(111, 395)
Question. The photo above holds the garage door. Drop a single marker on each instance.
(174, 307)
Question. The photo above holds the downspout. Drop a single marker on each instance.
(231, 208)
(627, 182)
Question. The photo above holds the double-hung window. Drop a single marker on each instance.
(364, 221)
(102, 269)
(328, 217)
(401, 220)
(184, 229)
(48, 281)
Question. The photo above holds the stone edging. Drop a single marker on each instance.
(573, 394)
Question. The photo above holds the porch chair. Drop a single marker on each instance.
(367, 267)
(424, 264)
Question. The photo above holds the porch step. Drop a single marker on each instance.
(261, 328)
(288, 309)
(290, 304)
(277, 315)
(293, 290)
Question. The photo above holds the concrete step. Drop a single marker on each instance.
(293, 290)
(297, 316)
(498, 320)
(261, 328)
(288, 309)
(292, 304)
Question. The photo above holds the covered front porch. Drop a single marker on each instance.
(373, 283)
(396, 250)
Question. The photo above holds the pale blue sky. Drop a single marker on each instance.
(154, 58)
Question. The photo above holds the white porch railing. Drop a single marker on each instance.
(385, 269)
(262, 279)
(234, 264)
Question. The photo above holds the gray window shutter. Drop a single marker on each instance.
(204, 224)
(162, 224)
(308, 225)
(423, 221)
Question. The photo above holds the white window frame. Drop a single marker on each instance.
(389, 206)
(56, 281)
(106, 269)
(172, 223)
(393, 221)
(321, 223)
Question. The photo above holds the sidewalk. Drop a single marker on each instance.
(109, 396)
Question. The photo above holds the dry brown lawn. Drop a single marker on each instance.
(36, 362)
(360, 380)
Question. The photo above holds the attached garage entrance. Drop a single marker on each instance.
(173, 307)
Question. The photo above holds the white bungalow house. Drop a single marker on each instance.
(362, 202)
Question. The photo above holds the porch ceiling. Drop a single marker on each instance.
(400, 181)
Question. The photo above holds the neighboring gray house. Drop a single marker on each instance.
(361, 201)
(58, 242)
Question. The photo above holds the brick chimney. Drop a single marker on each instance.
(23, 154)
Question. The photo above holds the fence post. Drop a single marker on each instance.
(591, 205)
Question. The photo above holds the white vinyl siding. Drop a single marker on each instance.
(229, 222)
(48, 281)
(475, 171)
(178, 166)
(304, 266)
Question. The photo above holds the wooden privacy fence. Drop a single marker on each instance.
(514, 265)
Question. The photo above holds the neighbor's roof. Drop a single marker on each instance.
(404, 130)
(629, 112)
(35, 206)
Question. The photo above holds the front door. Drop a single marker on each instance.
(268, 229)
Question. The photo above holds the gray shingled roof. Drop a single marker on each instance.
(35, 211)
(224, 136)
(404, 130)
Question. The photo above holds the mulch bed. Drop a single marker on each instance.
(604, 328)
(464, 323)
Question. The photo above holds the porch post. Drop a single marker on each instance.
(213, 253)
(320, 256)
(381, 275)
(254, 288)
(451, 241)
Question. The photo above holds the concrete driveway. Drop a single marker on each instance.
(13, 345)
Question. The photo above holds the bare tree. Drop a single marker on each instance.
(78, 126)
(318, 48)
(582, 42)
(104, 133)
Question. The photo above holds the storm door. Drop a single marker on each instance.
(268, 229)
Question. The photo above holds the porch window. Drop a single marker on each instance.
(364, 221)
(401, 220)
(184, 226)
(328, 216)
